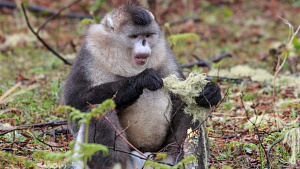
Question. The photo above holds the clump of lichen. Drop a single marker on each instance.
(259, 120)
(188, 90)
(292, 138)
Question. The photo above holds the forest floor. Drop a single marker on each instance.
(252, 36)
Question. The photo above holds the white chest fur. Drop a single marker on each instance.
(147, 120)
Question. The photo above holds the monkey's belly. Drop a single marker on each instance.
(147, 120)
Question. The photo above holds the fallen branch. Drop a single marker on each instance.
(9, 5)
(222, 79)
(220, 57)
(40, 125)
(51, 146)
(10, 90)
(202, 63)
(40, 39)
(44, 11)
(231, 136)
(236, 80)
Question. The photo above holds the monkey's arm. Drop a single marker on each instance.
(126, 90)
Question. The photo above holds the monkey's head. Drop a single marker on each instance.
(127, 41)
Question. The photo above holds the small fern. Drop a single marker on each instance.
(162, 156)
(185, 161)
(87, 21)
(17, 159)
(86, 149)
(180, 164)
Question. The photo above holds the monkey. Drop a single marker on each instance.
(126, 56)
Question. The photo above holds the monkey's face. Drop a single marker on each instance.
(141, 47)
(127, 41)
(137, 32)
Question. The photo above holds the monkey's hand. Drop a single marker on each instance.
(211, 95)
(150, 80)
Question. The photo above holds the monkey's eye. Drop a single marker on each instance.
(133, 36)
(148, 35)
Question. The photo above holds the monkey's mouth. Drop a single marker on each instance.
(140, 58)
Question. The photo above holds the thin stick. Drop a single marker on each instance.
(22, 127)
(10, 90)
(270, 149)
(203, 63)
(55, 15)
(41, 40)
(278, 67)
(257, 132)
(121, 134)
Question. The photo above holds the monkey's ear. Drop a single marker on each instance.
(110, 23)
(151, 15)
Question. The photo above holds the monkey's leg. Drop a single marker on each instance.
(177, 134)
(102, 132)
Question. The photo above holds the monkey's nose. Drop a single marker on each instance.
(144, 42)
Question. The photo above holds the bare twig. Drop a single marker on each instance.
(220, 57)
(280, 65)
(10, 144)
(269, 151)
(125, 138)
(231, 136)
(41, 40)
(236, 80)
(44, 11)
(121, 134)
(55, 15)
(10, 90)
(58, 131)
(51, 146)
(22, 127)
(126, 127)
(9, 5)
(256, 131)
(202, 63)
